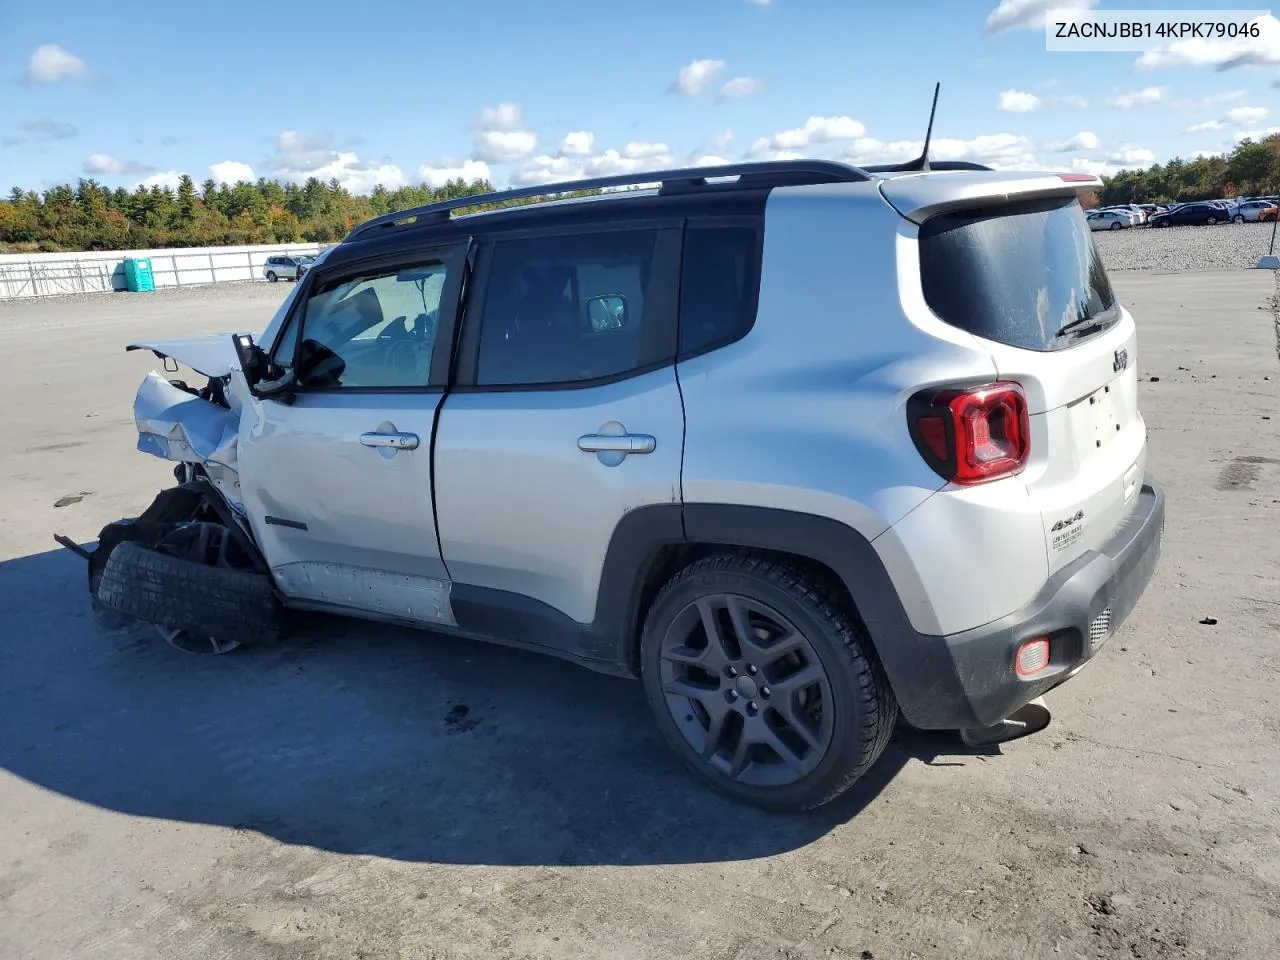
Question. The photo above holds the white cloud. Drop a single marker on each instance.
(739, 87)
(1081, 141)
(710, 160)
(500, 136)
(1019, 101)
(1097, 168)
(442, 171)
(101, 163)
(50, 63)
(232, 171)
(1000, 150)
(816, 130)
(577, 144)
(1254, 135)
(1029, 14)
(1212, 100)
(1263, 50)
(1243, 116)
(635, 157)
(299, 157)
(642, 150)
(1132, 157)
(694, 77)
(1137, 98)
(1207, 125)
(166, 178)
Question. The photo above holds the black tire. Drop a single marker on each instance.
(864, 710)
(1212, 222)
(1238, 218)
(271, 275)
(1116, 226)
(232, 605)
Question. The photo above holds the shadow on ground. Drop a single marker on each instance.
(364, 739)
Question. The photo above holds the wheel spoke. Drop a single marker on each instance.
(787, 643)
(716, 655)
(798, 724)
(717, 715)
(741, 753)
(760, 732)
(680, 687)
(790, 685)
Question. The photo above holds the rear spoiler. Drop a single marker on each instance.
(922, 196)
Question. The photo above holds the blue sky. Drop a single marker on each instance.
(400, 92)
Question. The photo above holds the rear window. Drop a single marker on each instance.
(1024, 274)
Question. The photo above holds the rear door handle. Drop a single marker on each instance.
(397, 441)
(625, 443)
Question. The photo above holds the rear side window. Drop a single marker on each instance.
(1026, 274)
(719, 285)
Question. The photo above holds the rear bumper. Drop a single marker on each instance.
(968, 679)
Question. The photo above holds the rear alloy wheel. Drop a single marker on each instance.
(1116, 226)
(1238, 218)
(1212, 221)
(763, 683)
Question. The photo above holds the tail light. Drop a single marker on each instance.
(972, 435)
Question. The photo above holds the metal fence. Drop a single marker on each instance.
(49, 275)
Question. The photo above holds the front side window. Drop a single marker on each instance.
(375, 329)
(565, 309)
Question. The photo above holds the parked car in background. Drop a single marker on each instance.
(1109, 220)
(1190, 214)
(287, 267)
(1126, 212)
(1251, 210)
(1268, 214)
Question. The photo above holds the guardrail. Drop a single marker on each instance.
(23, 276)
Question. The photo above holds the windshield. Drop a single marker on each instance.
(1020, 274)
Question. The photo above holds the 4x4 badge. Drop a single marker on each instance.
(1121, 360)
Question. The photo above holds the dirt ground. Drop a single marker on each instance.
(366, 792)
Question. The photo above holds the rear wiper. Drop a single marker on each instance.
(1080, 326)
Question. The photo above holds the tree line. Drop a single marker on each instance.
(89, 216)
(1251, 169)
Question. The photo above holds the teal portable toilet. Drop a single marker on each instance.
(137, 275)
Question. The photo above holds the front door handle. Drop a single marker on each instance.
(623, 443)
(397, 441)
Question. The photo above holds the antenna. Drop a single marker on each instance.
(928, 134)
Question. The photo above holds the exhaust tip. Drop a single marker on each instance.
(1026, 720)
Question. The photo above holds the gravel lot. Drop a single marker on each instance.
(365, 792)
(1227, 246)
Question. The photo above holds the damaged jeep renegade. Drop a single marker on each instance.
(805, 447)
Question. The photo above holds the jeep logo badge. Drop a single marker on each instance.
(1121, 360)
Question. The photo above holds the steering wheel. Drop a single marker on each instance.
(394, 331)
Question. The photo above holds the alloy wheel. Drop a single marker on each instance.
(747, 690)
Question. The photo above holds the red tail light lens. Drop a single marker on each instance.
(972, 435)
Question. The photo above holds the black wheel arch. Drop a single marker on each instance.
(652, 543)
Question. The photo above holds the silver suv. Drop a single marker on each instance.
(803, 446)
(281, 267)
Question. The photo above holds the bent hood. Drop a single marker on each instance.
(214, 354)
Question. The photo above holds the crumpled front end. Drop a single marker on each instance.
(178, 423)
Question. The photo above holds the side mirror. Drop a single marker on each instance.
(608, 312)
(266, 380)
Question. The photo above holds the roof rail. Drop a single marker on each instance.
(913, 166)
(765, 173)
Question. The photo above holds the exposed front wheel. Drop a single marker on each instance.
(764, 683)
(1238, 218)
(1116, 226)
(271, 275)
(1212, 221)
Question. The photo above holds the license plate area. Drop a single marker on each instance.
(1100, 413)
